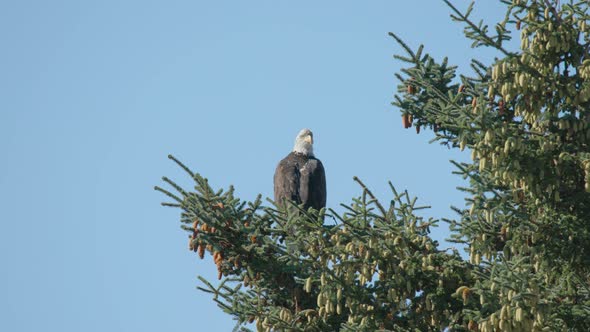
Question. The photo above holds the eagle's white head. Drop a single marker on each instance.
(304, 142)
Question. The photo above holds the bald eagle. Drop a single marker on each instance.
(300, 176)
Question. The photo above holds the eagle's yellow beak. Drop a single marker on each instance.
(309, 139)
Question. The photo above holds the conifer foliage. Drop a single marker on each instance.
(526, 225)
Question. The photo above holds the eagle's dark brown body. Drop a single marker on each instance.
(301, 179)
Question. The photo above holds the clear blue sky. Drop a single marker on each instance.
(95, 95)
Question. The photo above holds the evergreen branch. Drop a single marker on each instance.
(379, 206)
(463, 18)
(171, 204)
(336, 215)
(174, 185)
(404, 46)
(185, 168)
(393, 189)
(167, 193)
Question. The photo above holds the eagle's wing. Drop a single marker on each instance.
(286, 181)
(312, 187)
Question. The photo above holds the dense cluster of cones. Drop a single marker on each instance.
(219, 257)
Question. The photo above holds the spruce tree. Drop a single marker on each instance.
(525, 117)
